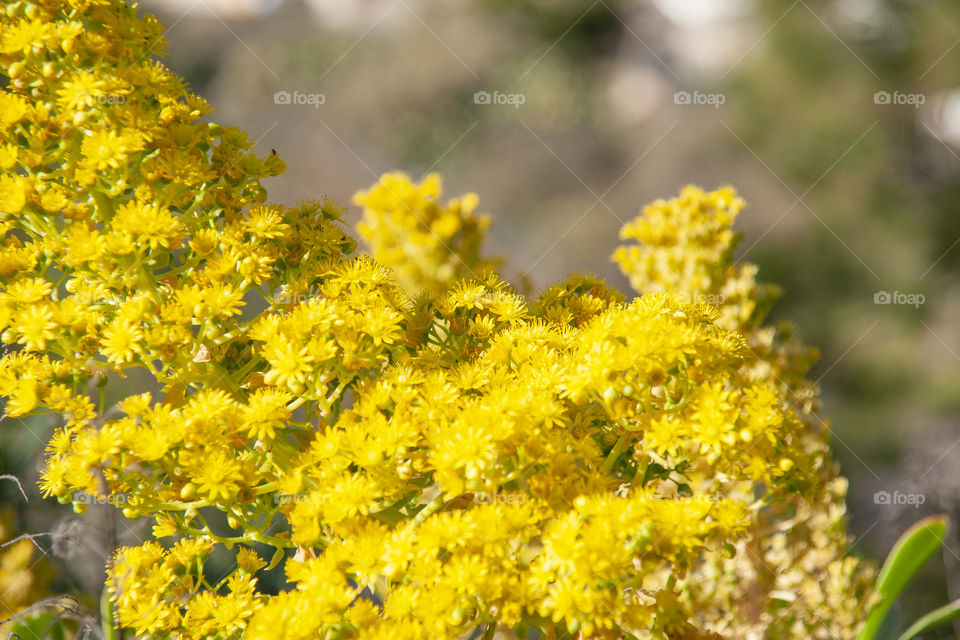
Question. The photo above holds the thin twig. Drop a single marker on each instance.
(19, 486)
(48, 602)
(30, 537)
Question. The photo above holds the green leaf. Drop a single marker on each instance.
(909, 554)
(935, 618)
(42, 626)
(104, 205)
(277, 557)
(654, 472)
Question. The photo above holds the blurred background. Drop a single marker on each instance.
(837, 120)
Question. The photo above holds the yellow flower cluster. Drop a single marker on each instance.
(794, 556)
(426, 453)
(425, 242)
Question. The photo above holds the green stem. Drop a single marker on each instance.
(56, 286)
(229, 335)
(175, 271)
(146, 281)
(255, 536)
(614, 455)
(265, 488)
(430, 509)
(489, 632)
(242, 372)
(391, 510)
(641, 472)
(333, 401)
(102, 393)
(107, 623)
(222, 376)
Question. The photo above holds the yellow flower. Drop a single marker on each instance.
(266, 223)
(216, 475)
(86, 90)
(714, 420)
(426, 243)
(265, 412)
(12, 108)
(288, 364)
(249, 561)
(36, 327)
(122, 341)
(29, 290)
(13, 194)
(150, 223)
(8, 156)
(106, 148)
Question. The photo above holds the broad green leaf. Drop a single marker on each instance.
(909, 554)
(935, 618)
